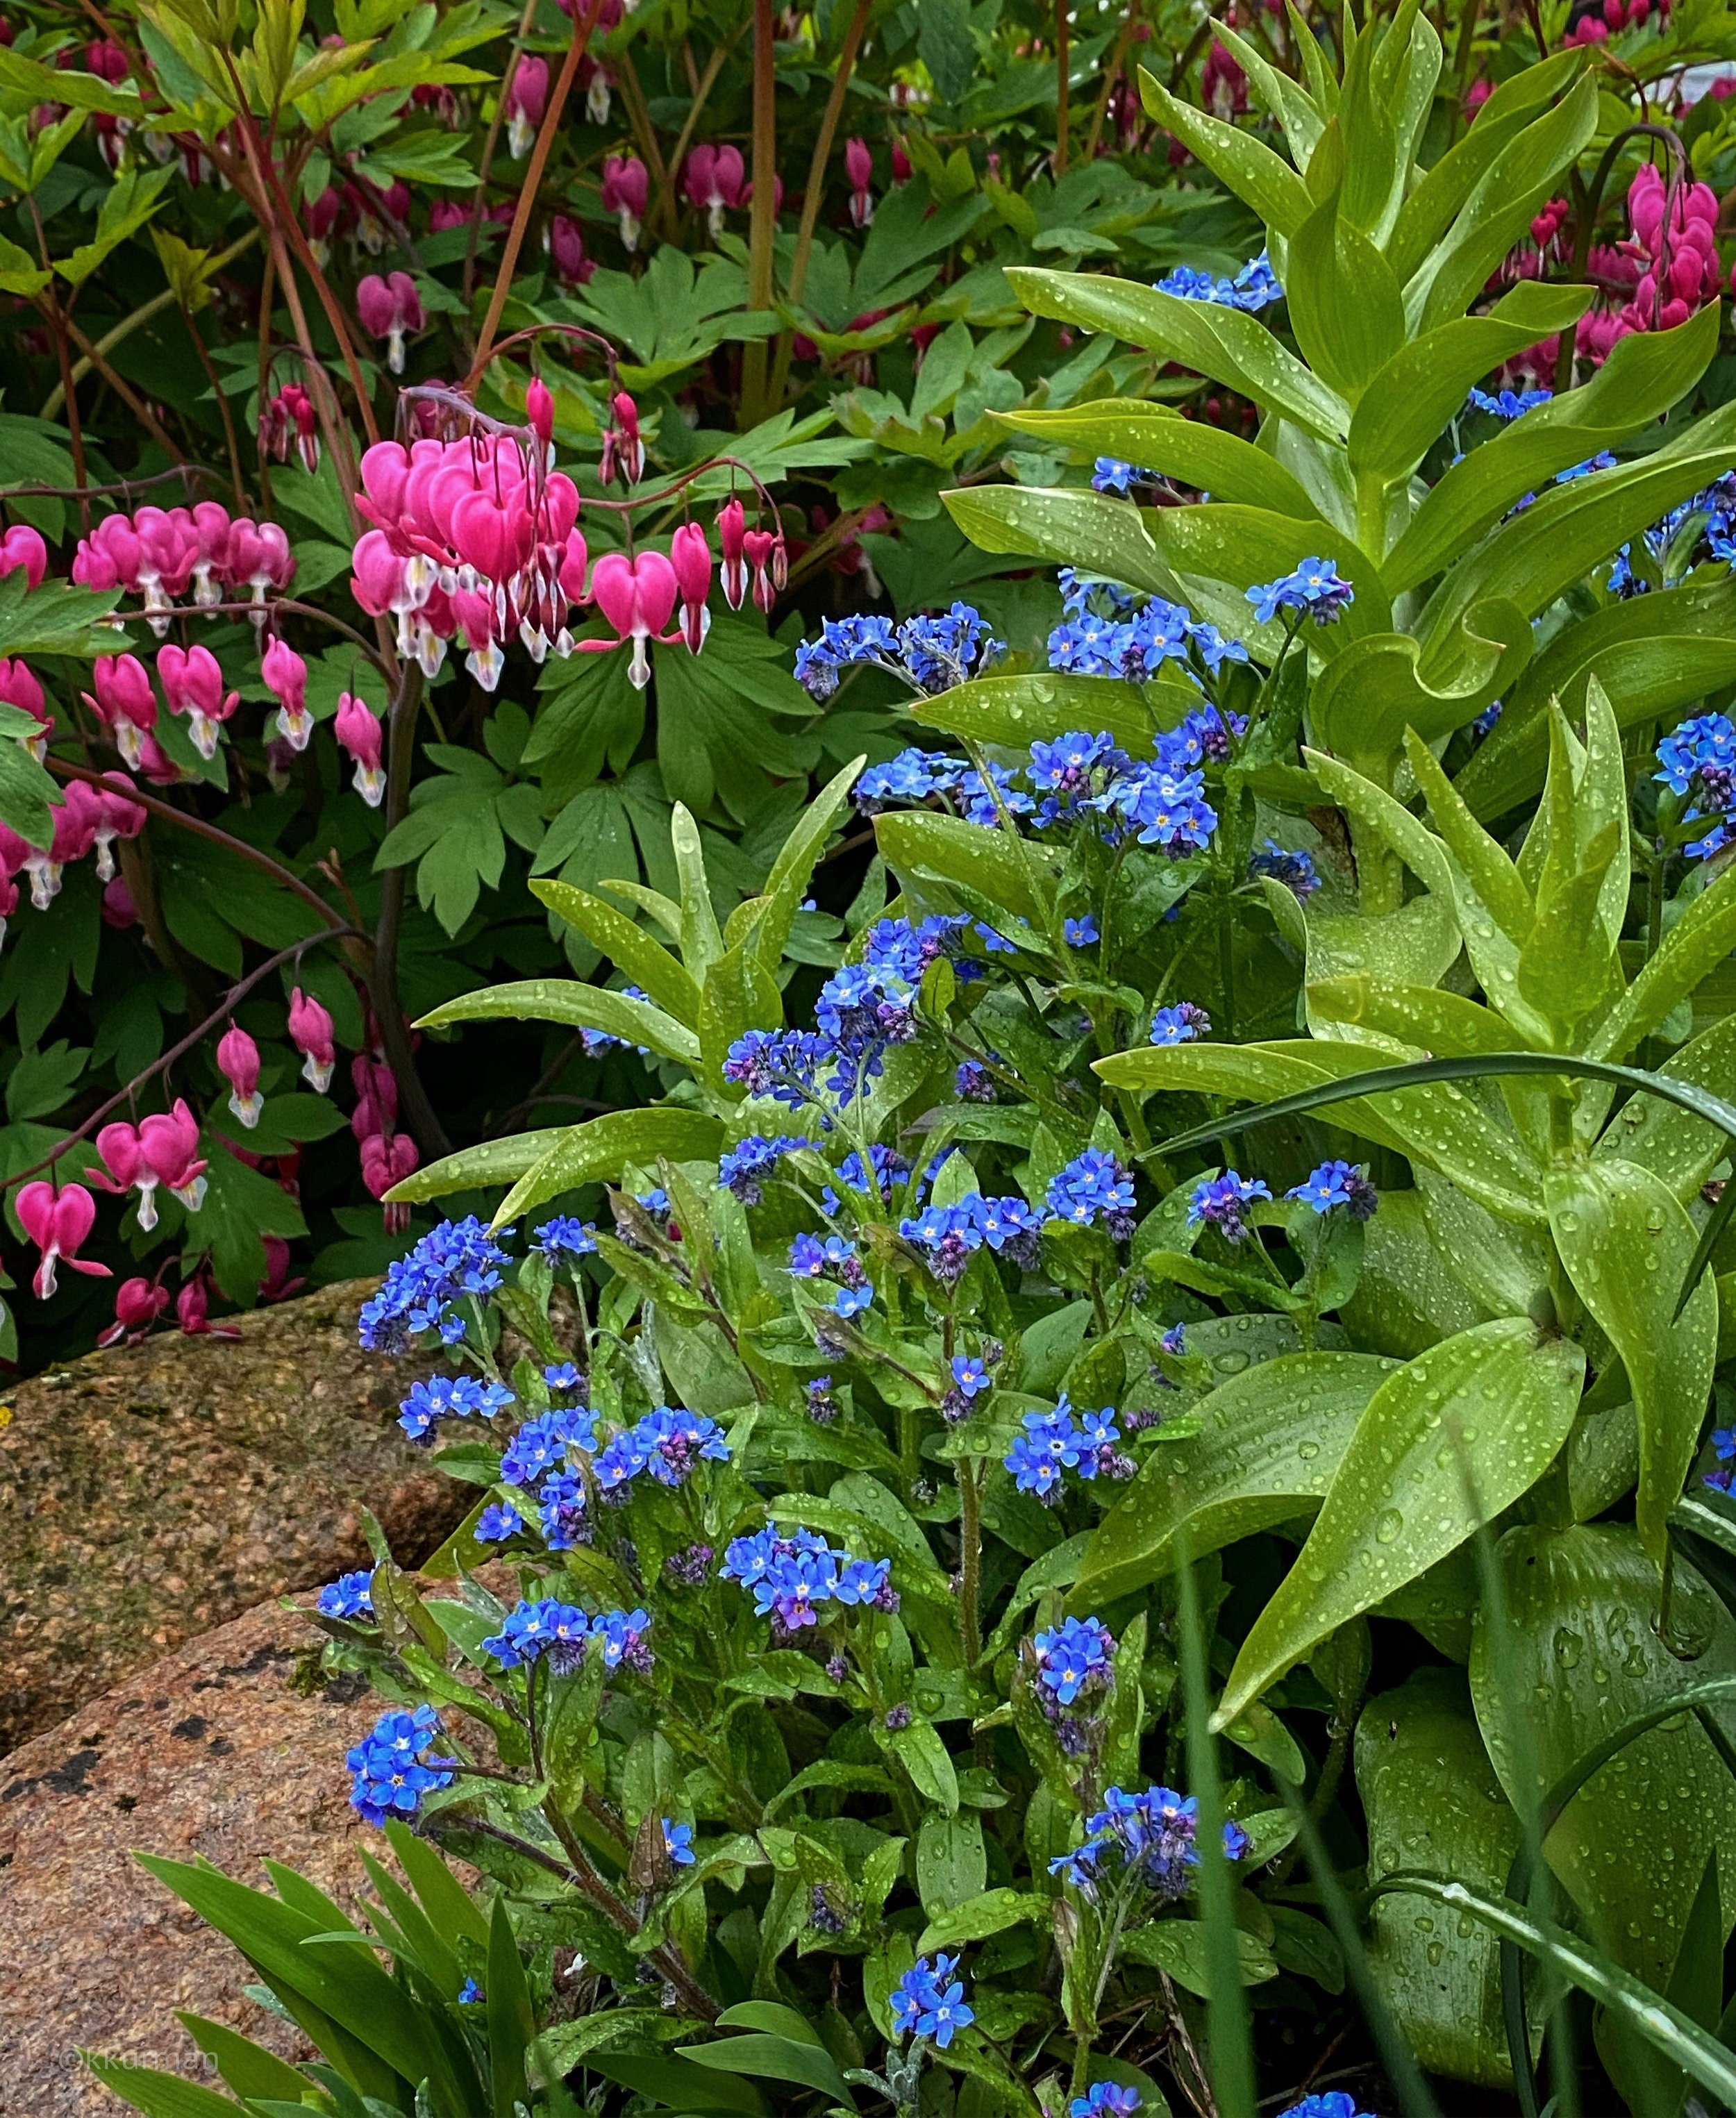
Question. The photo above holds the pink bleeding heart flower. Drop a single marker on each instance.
(732, 523)
(168, 545)
(76, 819)
(56, 1222)
(376, 1097)
(386, 468)
(388, 309)
(8, 902)
(524, 101)
(118, 910)
(259, 556)
(477, 621)
(285, 676)
(124, 703)
(565, 242)
(638, 597)
(311, 1033)
(168, 1140)
(125, 1169)
(22, 546)
(540, 409)
(713, 181)
(138, 1306)
(277, 1285)
(20, 687)
(192, 678)
(386, 1160)
(622, 446)
(117, 815)
(691, 556)
(575, 559)
(859, 170)
(762, 548)
(211, 526)
(493, 538)
(238, 1062)
(626, 188)
(157, 765)
(193, 1310)
(358, 730)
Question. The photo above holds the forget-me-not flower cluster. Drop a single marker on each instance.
(791, 1574)
(1150, 1835)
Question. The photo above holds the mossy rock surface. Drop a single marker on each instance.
(152, 1493)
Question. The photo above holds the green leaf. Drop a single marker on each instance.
(475, 1169)
(242, 1206)
(627, 947)
(1581, 1659)
(1012, 873)
(786, 886)
(1240, 545)
(1692, 949)
(1181, 1949)
(1423, 384)
(1516, 102)
(1376, 688)
(1346, 307)
(1499, 211)
(1259, 177)
(1455, 1136)
(701, 943)
(1674, 2035)
(1653, 655)
(1069, 527)
(161, 2095)
(512, 2019)
(1444, 1446)
(1626, 1244)
(923, 1756)
(1267, 1444)
(1542, 553)
(565, 1157)
(33, 82)
(246, 2067)
(1224, 344)
(1646, 374)
(580, 1006)
(128, 203)
(1018, 711)
(765, 2057)
(991, 1911)
(1435, 1806)
(1160, 439)
(350, 1989)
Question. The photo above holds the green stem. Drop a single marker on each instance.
(815, 191)
(970, 1563)
(763, 221)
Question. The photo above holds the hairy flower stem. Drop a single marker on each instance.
(970, 1561)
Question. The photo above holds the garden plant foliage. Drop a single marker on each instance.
(1083, 797)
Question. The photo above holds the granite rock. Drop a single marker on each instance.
(153, 1492)
(231, 1749)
